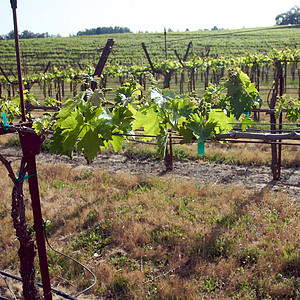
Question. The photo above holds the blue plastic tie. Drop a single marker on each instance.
(24, 178)
(5, 124)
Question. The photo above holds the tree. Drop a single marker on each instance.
(26, 34)
(291, 17)
(104, 30)
(10, 35)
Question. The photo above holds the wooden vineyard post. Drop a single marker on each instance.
(281, 88)
(181, 62)
(168, 161)
(257, 83)
(30, 143)
(148, 58)
(167, 75)
(166, 51)
(102, 61)
(275, 164)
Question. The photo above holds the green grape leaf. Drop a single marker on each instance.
(202, 130)
(186, 133)
(91, 113)
(221, 120)
(95, 97)
(116, 142)
(149, 120)
(90, 143)
(40, 124)
(67, 109)
(72, 121)
(245, 123)
(122, 118)
(56, 144)
(104, 129)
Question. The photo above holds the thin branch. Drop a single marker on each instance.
(8, 167)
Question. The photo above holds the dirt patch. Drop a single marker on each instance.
(251, 178)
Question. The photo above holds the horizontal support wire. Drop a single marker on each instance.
(221, 136)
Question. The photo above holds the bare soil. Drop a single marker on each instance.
(255, 178)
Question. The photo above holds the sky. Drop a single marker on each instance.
(67, 17)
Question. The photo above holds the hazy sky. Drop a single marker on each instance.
(70, 16)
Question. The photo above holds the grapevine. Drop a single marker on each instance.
(88, 122)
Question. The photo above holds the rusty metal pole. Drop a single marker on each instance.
(17, 45)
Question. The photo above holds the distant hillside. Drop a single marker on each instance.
(64, 52)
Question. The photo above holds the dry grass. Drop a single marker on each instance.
(158, 238)
(230, 153)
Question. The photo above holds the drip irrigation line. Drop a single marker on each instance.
(57, 292)
(73, 259)
(4, 278)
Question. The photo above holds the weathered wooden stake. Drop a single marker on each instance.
(102, 61)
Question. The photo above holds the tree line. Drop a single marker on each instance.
(104, 30)
(26, 34)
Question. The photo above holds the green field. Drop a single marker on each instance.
(127, 50)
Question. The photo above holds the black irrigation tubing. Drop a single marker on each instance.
(267, 130)
(73, 259)
(261, 136)
(57, 292)
(268, 124)
(259, 142)
(60, 293)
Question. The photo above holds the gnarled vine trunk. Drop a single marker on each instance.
(26, 250)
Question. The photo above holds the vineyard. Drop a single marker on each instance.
(84, 96)
(183, 61)
(127, 51)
